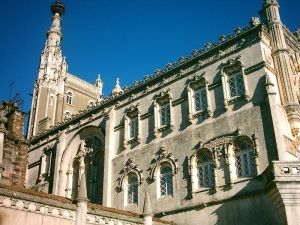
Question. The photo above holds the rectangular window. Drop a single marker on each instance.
(133, 127)
(200, 98)
(245, 164)
(165, 114)
(236, 84)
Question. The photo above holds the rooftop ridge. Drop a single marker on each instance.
(158, 73)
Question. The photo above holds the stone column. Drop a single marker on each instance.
(108, 156)
(82, 201)
(57, 180)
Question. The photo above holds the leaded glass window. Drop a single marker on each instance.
(206, 176)
(165, 114)
(200, 98)
(245, 163)
(166, 181)
(133, 127)
(132, 189)
(236, 84)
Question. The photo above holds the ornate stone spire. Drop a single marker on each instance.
(53, 65)
(117, 89)
(99, 85)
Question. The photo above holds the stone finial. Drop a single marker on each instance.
(82, 192)
(117, 89)
(254, 21)
(147, 209)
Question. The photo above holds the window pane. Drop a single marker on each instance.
(165, 114)
(206, 171)
(133, 127)
(200, 99)
(236, 84)
(245, 163)
(132, 195)
(166, 181)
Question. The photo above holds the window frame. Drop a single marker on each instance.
(129, 114)
(165, 99)
(233, 65)
(168, 180)
(196, 83)
(133, 188)
(69, 98)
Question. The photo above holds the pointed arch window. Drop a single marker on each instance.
(166, 180)
(132, 189)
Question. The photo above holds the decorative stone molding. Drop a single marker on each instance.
(162, 156)
(163, 96)
(132, 112)
(229, 64)
(130, 167)
(195, 82)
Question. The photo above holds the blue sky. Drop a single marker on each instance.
(117, 38)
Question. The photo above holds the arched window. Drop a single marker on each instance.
(69, 98)
(67, 115)
(244, 159)
(166, 180)
(132, 189)
(205, 169)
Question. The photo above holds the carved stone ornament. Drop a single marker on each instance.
(162, 156)
(130, 167)
(132, 109)
(231, 62)
(218, 146)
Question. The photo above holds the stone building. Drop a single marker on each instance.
(13, 146)
(212, 138)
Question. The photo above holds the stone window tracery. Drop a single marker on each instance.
(163, 117)
(198, 96)
(233, 81)
(67, 115)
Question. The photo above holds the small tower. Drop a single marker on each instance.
(49, 86)
(117, 89)
(282, 62)
(99, 85)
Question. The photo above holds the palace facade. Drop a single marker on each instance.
(210, 139)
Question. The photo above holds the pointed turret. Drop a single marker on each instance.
(99, 85)
(117, 89)
(282, 63)
(49, 87)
